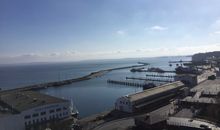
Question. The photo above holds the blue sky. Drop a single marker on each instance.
(71, 30)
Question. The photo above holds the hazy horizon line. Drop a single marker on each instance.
(87, 60)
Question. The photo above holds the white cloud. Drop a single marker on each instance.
(215, 28)
(158, 28)
(54, 54)
(120, 32)
(217, 32)
(216, 25)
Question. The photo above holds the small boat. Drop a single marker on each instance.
(159, 70)
(137, 69)
(73, 110)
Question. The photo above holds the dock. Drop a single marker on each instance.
(159, 75)
(151, 79)
(127, 83)
(180, 61)
(165, 71)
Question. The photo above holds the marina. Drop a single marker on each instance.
(168, 88)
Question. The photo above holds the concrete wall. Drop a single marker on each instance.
(123, 104)
(204, 76)
(190, 80)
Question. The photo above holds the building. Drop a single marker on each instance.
(190, 124)
(193, 79)
(204, 93)
(155, 119)
(21, 110)
(189, 79)
(147, 98)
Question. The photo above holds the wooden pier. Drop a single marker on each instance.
(151, 79)
(159, 75)
(127, 83)
(180, 61)
(164, 71)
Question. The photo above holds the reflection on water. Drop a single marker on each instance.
(90, 96)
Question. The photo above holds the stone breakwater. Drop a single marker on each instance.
(68, 81)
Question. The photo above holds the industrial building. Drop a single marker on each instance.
(141, 100)
(204, 93)
(194, 79)
(188, 123)
(155, 119)
(27, 108)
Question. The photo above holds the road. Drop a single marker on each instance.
(120, 124)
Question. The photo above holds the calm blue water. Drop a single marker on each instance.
(90, 96)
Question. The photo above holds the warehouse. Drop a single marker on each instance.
(28, 108)
(205, 93)
(137, 101)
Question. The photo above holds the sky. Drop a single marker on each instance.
(73, 30)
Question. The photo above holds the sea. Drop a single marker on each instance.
(90, 96)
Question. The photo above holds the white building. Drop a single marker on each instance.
(134, 102)
(20, 110)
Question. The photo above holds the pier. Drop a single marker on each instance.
(180, 61)
(151, 79)
(127, 83)
(159, 75)
(164, 71)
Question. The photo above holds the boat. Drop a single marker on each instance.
(137, 69)
(153, 69)
(73, 110)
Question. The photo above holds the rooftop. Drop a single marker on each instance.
(156, 90)
(186, 113)
(21, 101)
(208, 87)
(157, 115)
(194, 123)
(205, 100)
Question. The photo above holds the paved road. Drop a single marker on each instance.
(121, 124)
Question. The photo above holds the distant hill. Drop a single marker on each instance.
(203, 56)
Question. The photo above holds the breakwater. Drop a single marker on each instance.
(68, 81)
